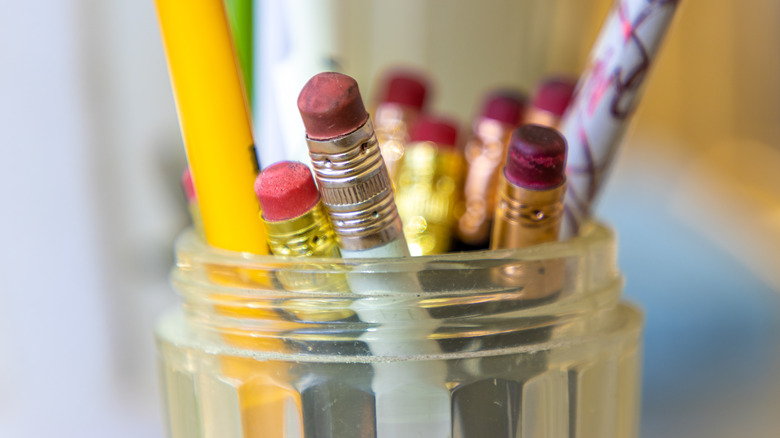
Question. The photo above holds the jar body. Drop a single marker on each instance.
(532, 343)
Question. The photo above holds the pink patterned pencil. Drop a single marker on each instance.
(607, 94)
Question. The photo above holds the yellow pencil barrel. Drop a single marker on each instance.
(214, 121)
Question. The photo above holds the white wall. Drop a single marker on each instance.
(91, 153)
(90, 203)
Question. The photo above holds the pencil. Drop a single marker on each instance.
(214, 121)
(215, 125)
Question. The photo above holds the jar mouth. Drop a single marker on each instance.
(459, 302)
(192, 253)
(474, 280)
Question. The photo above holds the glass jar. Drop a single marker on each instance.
(532, 342)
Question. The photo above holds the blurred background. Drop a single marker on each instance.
(92, 156)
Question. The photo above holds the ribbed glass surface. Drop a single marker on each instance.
(521, 343)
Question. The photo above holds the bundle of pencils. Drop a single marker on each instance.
(445, 184)
(403, 183)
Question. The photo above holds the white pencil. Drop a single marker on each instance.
(412, 399)
(606, 96)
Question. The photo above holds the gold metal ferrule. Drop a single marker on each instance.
(532, 279)
(356, 189)
(308, 235)
(526, 217)
(538, 116)
(429, 187)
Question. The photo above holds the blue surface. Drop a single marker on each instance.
(711, 324)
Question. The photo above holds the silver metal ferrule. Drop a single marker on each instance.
(356, 189)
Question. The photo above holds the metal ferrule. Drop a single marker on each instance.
(356, 189)
(429, 185)
(541, 117)
(485, 154)
(308, 235)
(526, 217)
(391, 124)
(534, 279)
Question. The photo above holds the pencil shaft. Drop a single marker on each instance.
(606, 96)
(214, 121)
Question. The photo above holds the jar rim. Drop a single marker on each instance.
(190, 249)
(504, 293)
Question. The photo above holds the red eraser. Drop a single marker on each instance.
(439, 130)
(536, 158)
(405, 87)
(554, 94)
(188, 185)
(286, 190)
(331, 106)
(505, 106)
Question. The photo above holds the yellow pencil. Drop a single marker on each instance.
(218, 140)
(214, 121)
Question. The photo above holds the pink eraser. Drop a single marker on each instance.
(439, 130)
(331, 106)
(536, 158)
(286, 190)
(505, 106)
(188, 185)
(405, 87)
(554, 94)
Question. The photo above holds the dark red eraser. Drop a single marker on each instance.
(505, 106)
(285, 190)
(405, 87)
(439, 130)
(536, 158)
(331, 106)
(188, 185)
(554, 94)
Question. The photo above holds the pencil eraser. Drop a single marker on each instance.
(439, 130)
(554, 94)
(331, 106)
(286, 190)
(505, 106)
(536, 158)
(188, 185)
(405, 87)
